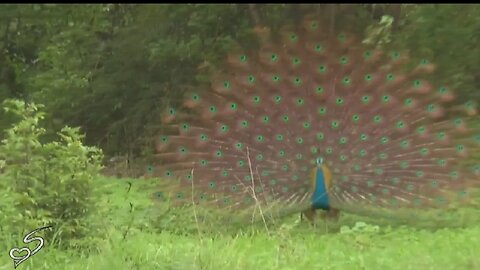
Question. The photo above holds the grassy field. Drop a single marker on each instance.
(131, 242)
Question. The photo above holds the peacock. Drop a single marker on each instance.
(313, 121)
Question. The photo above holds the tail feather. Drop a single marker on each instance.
(396, 143)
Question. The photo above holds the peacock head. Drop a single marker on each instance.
(319, 161)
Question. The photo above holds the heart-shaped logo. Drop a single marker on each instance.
(15, 254)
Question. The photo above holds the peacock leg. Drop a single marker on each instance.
(309, 214)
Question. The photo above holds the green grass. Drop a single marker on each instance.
(170, 244)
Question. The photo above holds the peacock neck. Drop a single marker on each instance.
(321, 183)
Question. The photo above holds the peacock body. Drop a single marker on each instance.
(314, 121)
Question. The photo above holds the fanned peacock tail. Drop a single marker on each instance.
(393, 144)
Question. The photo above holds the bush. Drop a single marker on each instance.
(47, 183)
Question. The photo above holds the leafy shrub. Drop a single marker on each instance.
(46, 183)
